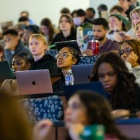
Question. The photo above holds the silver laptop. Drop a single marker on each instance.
(34, 81)
(81, 73)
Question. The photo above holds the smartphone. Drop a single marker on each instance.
(123, 35)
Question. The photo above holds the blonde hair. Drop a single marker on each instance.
(135, 10)
(39, 37)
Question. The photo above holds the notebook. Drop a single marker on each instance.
(93, 86)
(34, 81)
(71, 43)
(81, 73)
(5, 71)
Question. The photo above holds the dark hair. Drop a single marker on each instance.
(10, 31)
(47, 22)
(98, 111)
(24, 56)
(25, 12)
(33, 28)
(118, 8)
(75, 54)
(120, 18)
(80, 13)
(22, 19)
(102, 7)
(73, 12)
(65, 11)
(2, 50)
(135, 46)
(101, 21)
(122, 96)
(91, 9)
(13, 124)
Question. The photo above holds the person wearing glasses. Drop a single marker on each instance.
(20, 62)
(66, 57)
(130, 53)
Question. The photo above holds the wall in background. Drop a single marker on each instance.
(38, 9)
(96, 3)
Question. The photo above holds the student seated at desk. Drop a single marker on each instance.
(38, 46)
(66, 57)
(85, 108)
(122, 90)
(20, 62)
(130, 53)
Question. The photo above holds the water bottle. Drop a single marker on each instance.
(80, 36)
(69, 78)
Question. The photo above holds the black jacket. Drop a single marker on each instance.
(59, 37)
(58, 85)
(46, 62)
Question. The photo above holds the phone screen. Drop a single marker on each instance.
(122, 35)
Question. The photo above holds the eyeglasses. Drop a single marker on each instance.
(63, 55)
(126, 51)
(17, 63)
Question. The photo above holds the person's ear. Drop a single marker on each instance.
(74, 61)
(45, 47)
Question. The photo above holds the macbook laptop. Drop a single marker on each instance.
(130, 127)
(71, 43)
(94, 86)
(81, 73)
(5, 71)
(34, 81)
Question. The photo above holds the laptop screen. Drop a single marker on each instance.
(81, 73)
(71, 43)
(5, 71)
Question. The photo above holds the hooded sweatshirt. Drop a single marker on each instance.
(46, 62)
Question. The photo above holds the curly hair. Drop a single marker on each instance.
(135, 46)
(124, 94)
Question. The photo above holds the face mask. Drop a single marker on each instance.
(77, 21)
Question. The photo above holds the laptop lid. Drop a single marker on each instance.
(81, 73)
(129, 127)
(71, 43)
(34, 81)
(94, 86)
(5, 71)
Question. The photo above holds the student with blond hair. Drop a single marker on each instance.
(38, 46)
